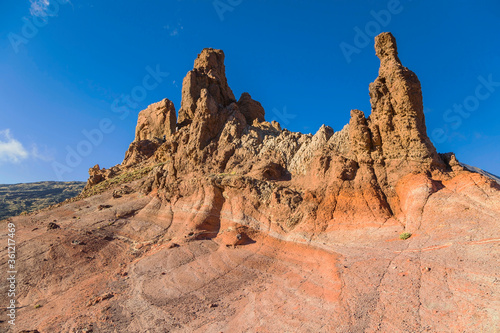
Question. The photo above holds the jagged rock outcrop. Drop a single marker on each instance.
(95, 176)
(158, 121)
(252, 110)
(155, 125)
(140, 151)
(366, 159)
(352, 174)
(98, 175)
(209, 73)
(397, 121)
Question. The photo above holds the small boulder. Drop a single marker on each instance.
(52, 226)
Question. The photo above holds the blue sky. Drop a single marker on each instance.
(74, 75)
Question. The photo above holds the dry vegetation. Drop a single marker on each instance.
(16, 199)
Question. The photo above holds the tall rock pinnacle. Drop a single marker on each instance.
(208, 73)
(397, 120)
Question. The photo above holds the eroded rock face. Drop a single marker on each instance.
(98, 175)
(208, 73)
(366, 159)
(397, 121)
(140, 151)
(156, 122)
(252, 110)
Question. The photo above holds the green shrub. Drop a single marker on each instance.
(405, 235)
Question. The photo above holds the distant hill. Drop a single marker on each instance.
(481, 171)
(28, 197)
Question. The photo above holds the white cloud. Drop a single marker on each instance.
(173, 31)
(11, 150)
(42, 153)
(43, 8)
(39, 7)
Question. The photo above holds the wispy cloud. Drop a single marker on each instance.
(39, 7)
(42, 153)
(43, 8)
(173, 30)
(11, 150)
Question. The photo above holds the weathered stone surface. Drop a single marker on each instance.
(252, 110)
(158, 121)
(97, 175)
(313, 146)
(209, 73)
(397, 120)
(140, 151)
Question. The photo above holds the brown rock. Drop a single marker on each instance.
(95, 176)
(158, 121)
(52, 226)
(124, 190)
(451, 160)
(252, 110)
(208, 73)
(397, 121)
(140, 151)
(98, 175)
(360, 137)
(100, 298)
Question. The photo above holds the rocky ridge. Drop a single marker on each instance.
(229, 148)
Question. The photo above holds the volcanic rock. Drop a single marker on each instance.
(158, 121)
(98, 175)
(397, 122)
(209, 73)
(140, 151)
(52, 226)
(252, 110)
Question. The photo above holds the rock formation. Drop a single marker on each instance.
(252, 110)
(156, 122)
(397, 121)
(208, 74)
(352, 175)
(223, 221)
